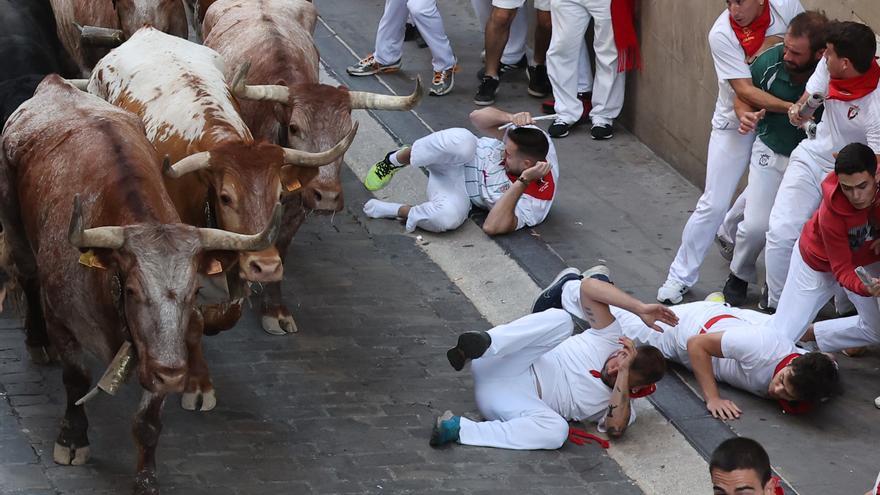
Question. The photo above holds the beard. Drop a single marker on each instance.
(800, 69)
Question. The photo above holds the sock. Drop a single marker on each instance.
(381, 209)
(393, 159)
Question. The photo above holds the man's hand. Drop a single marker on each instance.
(522, 118)
(794, 115)
(629, 352)
(652, 313)
(748, 121)
(538, 171)
(723, 409)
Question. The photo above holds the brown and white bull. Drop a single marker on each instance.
(179, 91)
(274, 39)
(119, 18)
(70, 160)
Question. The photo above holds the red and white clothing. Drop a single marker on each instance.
(534, 378)
(729, 151)
(835, 240)
(875, 488)
(844, 122)
(392, 25)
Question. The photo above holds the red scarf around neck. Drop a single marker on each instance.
(856, 87)
(751, 37)
(792, 406)
(625, 39)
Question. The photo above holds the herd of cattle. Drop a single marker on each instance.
(174, 165)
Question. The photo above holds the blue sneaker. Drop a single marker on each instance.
(445, 430)
(551, 297)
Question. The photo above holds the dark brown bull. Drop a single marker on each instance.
(274, 39)
(141, 278)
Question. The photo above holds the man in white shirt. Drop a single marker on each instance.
(738, 35)
(531, 376)
(718, 343)
(848, 80)
(512, 173)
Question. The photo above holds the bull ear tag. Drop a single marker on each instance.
(90, 260)
(214, 267)
(292, 185)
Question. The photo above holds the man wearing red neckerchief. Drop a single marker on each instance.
(736, 37)
(718, 343)
(875, 490)
(741, 465)
(848, 79)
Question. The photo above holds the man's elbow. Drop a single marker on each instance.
(492, 229)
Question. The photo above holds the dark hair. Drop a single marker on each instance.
(854, 41)
(531, 142)
(813, 25)
(855, 158)
(649, 365)
(814, 377)
(741, 453)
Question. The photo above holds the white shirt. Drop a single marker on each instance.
(564, 374)
(486, 181)
(844, 122)
(730, 58)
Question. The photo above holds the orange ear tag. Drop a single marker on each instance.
(214, 267)
(293, 186)
(89, 259)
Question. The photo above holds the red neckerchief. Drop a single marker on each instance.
(642, 392)
(542, 189)
(792, 406)
(778, 490)
(625, 39)
(714, 320)
(856, 87)
(751, 37)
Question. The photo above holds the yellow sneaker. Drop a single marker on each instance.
(381, 173)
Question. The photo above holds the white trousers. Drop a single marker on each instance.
(424, 13)
(567, 59)
(515, 48)
(505, 390)
(733, 217)
(728, 158)
(799, 195)
(765, 174)
(444, 155)
(806, 291)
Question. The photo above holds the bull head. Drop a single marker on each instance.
(357, 99)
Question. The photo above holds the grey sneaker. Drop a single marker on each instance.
(368, 66)
(443, 82)
(725, 247)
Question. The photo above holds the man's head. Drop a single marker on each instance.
(810, 378)
(740, 466)
(647, 368)
(523, 148)
(856, 169)
(850, 49)
(804, 42)
(745, 11)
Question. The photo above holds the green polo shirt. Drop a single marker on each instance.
(769, 74)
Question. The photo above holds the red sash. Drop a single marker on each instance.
(712, 321)
(625, 39)
(792, 406)
(856, 87)
(751, 37)
(542, 189)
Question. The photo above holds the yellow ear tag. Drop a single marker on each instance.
(293, 186)
(89, 259)
(214, 268)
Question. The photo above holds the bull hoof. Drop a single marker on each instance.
(280, 325)
(70, 456)
(201, 400)
(146, 483)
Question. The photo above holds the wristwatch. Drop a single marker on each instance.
(524, 181)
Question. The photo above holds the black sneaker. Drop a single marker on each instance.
(763, 302)
(506, 68)
(551, 297)
(486, 92)
(735, 290)
(539, 81)
(471, 345)
(410, 33)
(559, 129)
(601, 132)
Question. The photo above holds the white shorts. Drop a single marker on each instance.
(515, 4)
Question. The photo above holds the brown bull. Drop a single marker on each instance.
(274, 39)
(120, 17)
(137, 277)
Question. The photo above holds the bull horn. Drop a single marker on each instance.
(306, 159)
(100, 36)
(223, 240)
(80, 84)
(266, 92)
(98, 237)
(373, 101)
(196, 161)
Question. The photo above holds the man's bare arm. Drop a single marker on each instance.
(488, 119)
(758, 98)
(701, 349)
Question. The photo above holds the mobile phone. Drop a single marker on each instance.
(864, 276)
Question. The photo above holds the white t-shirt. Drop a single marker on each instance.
(844, 122)
(486, 181)
(730, 58)
(567, 385)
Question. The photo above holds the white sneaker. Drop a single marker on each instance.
(671, 292)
